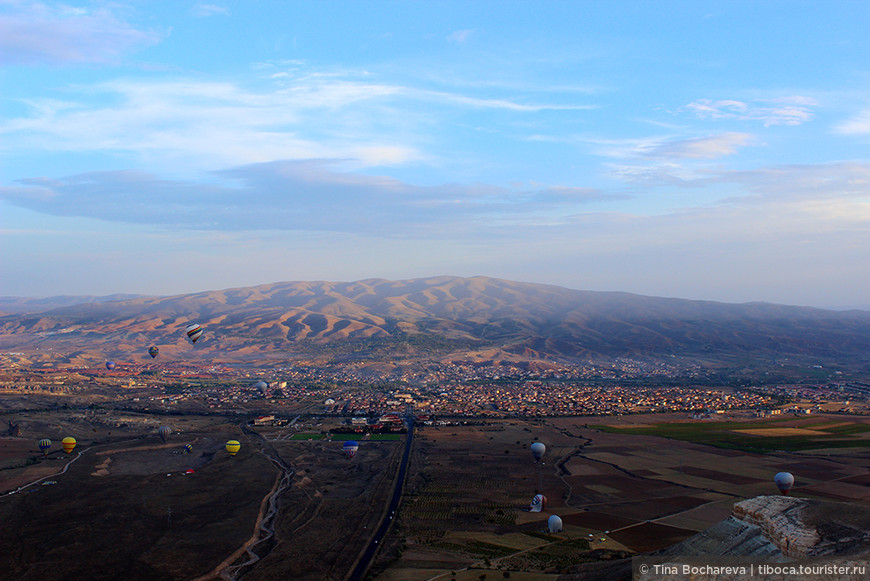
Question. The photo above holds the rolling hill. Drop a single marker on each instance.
(439, 317)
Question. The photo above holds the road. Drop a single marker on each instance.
(365, 561)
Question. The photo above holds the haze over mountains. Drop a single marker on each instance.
(439, 317)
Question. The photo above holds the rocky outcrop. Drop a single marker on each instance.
(780, 528)
(780, 520)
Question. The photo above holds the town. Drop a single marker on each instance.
(435, 389)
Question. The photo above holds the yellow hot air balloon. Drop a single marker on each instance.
(233, 446)
(68, 443)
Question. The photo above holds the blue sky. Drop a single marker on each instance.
(694, 149)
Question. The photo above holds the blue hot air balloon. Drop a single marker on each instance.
(350, 447)
(110, 365)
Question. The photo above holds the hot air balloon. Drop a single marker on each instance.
(188, 448)
(537, 503)
(262, 386)
(194, 332)
(69, 444)
(538, 450)
(233, 446)
(163, 432)
(554, 524)
(350, 447)
(110, 365)
(153, 351)
(784, 481)
(44, 444)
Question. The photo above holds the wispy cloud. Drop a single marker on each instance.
(204, 10)
(299, 114)
(710, 147)
(54, 33)
(300, 195)
(461, 36)
(794, 110)
(857, 125)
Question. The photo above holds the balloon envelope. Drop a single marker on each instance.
(194, 332)
(153, 351)
(554, 524)
(784, 481)
(537, 503)
(110, 365)
(163, 432)
(233, 446)
(262, 386)
(538, 450)
(44, 444)
(350, 447)
(188, 448)
(68, 443)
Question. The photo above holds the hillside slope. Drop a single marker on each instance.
(444, 315)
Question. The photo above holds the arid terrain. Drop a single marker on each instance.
(123, 504)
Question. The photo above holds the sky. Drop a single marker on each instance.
(709, 150)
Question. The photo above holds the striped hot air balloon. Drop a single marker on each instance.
(233, 447)
(153, 351)
(44, 444)
(194, 332)
(69, 444)
(188, 448)
(163, 432)
(538, 503)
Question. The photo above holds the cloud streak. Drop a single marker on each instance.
(52, 33)
(209, 124)
(794, 110)
(297, 195)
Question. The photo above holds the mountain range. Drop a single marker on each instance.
(439, 317)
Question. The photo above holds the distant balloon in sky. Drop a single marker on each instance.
(554, 524)
(188, 448)
(350, 447)
(784, 481)
(537, 503)
(110, 365)
(233, 447)
(262, 386)
(194, 332)
(69, 444)
(538, 450)
(153, 351)
(44, 445)
(163, 432)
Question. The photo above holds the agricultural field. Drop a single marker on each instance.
(619, 491)
(788, 434)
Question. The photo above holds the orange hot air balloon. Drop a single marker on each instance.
(69, 444)
(233, 446)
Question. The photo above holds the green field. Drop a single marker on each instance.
(307, 437)
(386, 437)
(724, 435)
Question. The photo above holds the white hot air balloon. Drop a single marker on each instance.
(538, 450)
(784, 481)
(554, 524)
